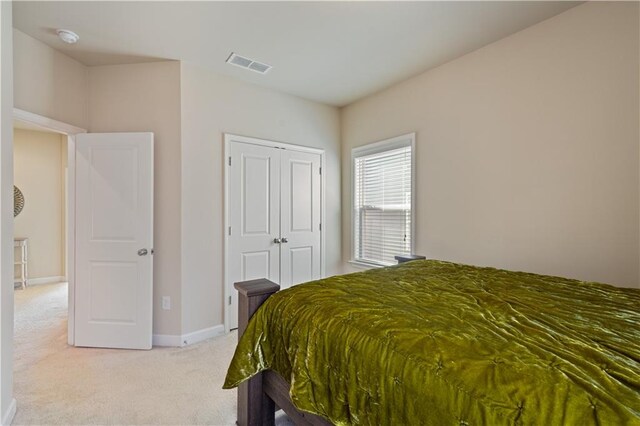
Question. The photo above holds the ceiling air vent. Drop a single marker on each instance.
(250, 64)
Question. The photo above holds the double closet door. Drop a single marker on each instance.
(274, 217)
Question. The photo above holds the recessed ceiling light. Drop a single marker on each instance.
(249, 64)
(68, 36)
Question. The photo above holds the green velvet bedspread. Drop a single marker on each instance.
(438, 343)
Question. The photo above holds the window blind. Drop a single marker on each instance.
(382, 203)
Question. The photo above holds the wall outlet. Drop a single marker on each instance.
(166, 303)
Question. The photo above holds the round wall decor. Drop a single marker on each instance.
(18, 201)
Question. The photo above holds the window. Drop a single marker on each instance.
(382, 200)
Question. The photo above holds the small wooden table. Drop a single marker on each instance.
(409, 258)
(21, 261)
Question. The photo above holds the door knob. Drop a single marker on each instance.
(285, 240)
(276, 240)
(142, 252)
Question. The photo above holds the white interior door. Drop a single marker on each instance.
(254, 218)
(114, 240)
(300, 217)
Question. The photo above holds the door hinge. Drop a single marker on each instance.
(320, 227)
(229, 230)
(229, 299)
(229, 160)
(320, 170)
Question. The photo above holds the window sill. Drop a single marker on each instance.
(365, 265)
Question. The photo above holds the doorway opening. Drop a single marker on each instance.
(44, 175)
(40, 243)
(40, 246)
(40, 192)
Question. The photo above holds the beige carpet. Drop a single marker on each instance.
(58, 384)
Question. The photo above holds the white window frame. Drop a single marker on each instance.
(408, 139)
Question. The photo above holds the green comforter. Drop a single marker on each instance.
(438, 343)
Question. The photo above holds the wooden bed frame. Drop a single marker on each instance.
(261, 396)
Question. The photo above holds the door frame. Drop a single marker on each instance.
(70, 131)
(230, 138)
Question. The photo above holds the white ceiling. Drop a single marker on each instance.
(330, 52)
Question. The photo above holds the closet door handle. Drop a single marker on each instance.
(284, 240)
(277, 241)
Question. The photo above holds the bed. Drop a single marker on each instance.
(432, 342)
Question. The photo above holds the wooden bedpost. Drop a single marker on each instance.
(254, 406)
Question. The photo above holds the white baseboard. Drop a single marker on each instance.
(189, 338)
(45, 280)
(167, 340)
(7, 418)
(204, 334)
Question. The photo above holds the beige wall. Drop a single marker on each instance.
(6, 213)
(211, 106)
(188, 109)
(38, 165)
(146, 98)
(527, 149)
(48, 82)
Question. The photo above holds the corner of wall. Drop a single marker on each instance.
(7, 403)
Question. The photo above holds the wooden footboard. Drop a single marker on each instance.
(258, 396)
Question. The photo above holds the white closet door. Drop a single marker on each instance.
(300, 217)
(254, 217)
